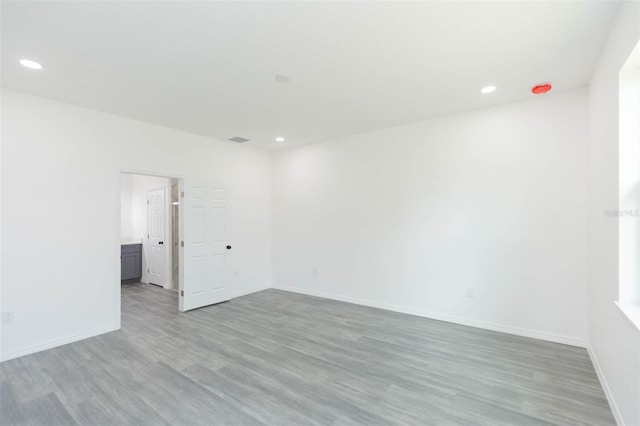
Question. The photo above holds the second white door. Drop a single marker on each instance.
(205, 256)
(156, 222)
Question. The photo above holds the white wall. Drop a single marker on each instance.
(410, 217)
(614, 340)
(60, 220)
(126, 217)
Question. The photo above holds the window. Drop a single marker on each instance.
(629, 179)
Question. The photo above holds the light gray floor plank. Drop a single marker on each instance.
(280, 358)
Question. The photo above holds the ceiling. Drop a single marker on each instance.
(209, 68)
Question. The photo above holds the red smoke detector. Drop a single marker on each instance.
(540, 89)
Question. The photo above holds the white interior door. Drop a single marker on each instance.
(206, 250)
(156, 256)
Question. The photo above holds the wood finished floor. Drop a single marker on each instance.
(280, 358)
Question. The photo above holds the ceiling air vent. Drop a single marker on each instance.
(238, 139)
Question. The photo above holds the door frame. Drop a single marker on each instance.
(116, 247)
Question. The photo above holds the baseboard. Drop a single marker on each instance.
(28, 350)
(605, 386)
(535, 334)
(249, 291)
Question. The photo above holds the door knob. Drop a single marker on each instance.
(228, 247)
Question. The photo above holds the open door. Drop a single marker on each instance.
(205, 252)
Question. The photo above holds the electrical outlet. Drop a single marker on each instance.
(315, 273)
(8, 317)
(471, 292)
(237, 273)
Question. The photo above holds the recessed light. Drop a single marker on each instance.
(488, 89)
(279, 139)
(30, 64)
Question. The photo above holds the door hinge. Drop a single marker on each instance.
(181, 243)
(147, 236)
(182, 194)
(147, 202)
(182, 293)
(147, 270)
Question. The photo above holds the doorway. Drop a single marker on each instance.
(177, 233)
(149, 231)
